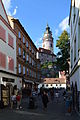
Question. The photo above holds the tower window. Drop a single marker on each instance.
(51, 45)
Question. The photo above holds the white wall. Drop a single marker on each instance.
(2, 13)
(18, 80)
(6, 49)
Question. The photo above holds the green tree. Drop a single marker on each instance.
(63, 43)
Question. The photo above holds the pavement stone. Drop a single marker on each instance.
(55, 111)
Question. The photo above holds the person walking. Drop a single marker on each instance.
(13, 99)
(18, 99)
(52, 94)
(57, 96)
(45, 100)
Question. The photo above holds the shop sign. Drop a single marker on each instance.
(8, 80)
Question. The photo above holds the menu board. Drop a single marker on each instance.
(5, 96)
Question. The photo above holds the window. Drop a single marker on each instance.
(2, 60)
(30, 60)
(51, 44)
(30, 73)
(23, 40)
(32, 51)
(47, 85)
(19, 68)
(27, 71)
(2, 33)
(71, 58)
(44, 45)
(19, 34)
(27, 44)
(75, 49)
(27, 58)
(74, 13)
(19, 51)
(10, 41)
(10, 63)
(23, 69)
(23, 54)
(71, 27)
(30, 47)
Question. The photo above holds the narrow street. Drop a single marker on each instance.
(55, 111)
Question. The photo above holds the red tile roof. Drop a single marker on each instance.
(54, 80)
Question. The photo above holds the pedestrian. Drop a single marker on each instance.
(57, 96)
(13, 99)
(52, 94)
(45, 100)
(18, 99)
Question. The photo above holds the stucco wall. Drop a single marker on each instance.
(6, 49)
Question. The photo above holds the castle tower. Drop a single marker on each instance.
(48, 39)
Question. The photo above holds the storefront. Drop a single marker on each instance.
(9, 84)
(27, 87)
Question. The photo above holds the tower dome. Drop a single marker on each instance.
(48, 39)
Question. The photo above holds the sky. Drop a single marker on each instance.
(35, 14)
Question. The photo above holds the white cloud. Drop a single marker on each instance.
(64, 24)
(38, 42)
(56, 32)
(15, 10)
(8, 6)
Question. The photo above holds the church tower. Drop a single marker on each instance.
(48, 39)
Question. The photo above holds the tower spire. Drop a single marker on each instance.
(48, 39)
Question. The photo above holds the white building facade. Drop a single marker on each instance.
(74, 22)
(8, 77)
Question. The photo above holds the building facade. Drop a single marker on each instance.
(74, 22)
(28, 67)
(45, 55)
(8, 77)
(59, 82)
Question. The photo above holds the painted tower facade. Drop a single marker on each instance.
(48, 39)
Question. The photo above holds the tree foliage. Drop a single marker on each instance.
(63, 43)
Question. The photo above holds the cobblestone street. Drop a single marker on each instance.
(55, 111)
